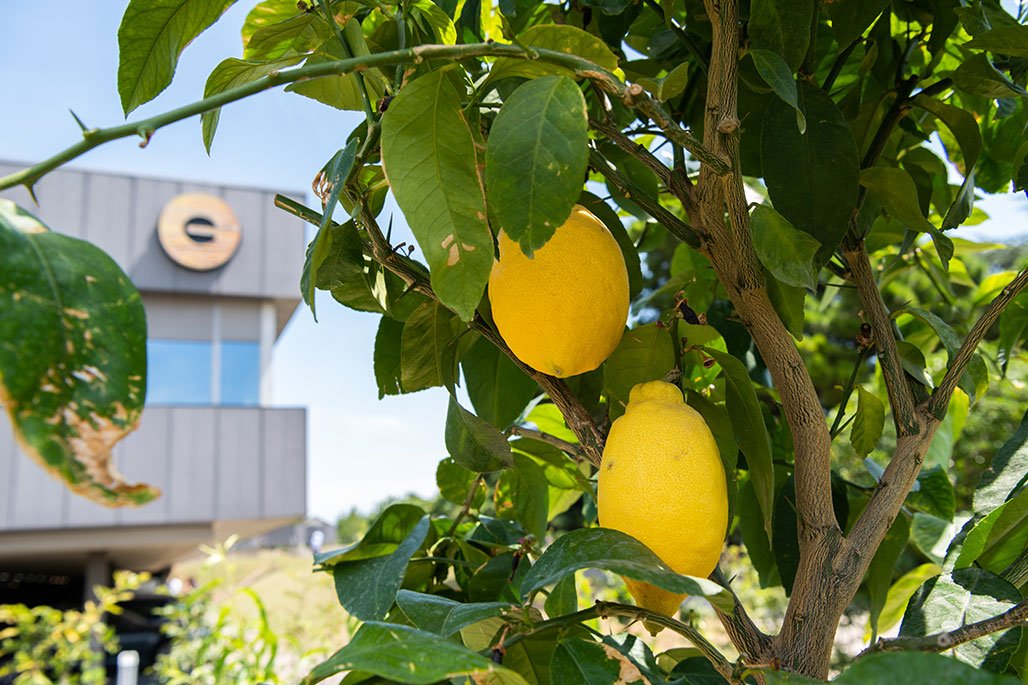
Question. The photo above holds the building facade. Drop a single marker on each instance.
(218, 269)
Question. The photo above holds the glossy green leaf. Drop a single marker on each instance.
(932, 535)
(895, 190)
(975, 379)
(386, 357)
(900, 593)
(392, 527)
(1013, 323)
(579, 662)
(342, 91)
(614, 551)
(644, 354)
(754, 535)
(965, 596)
(152, 35)
(535, 159)
(916, 668)
(782, 27)
(427, 353)
(444, 616)
(850, 18)
(563, 598)
(750, 431)
(560, 37)
(498, 388)
(996, 540)
(788, 302)
(522, 493)
(669, 86)
(784, 251)
(878, 578)
(408, 655)
(1004, 40)
(429, 157)
(868, 423)
(716, 418)
(229, 74)
(475, 443)
(977, 76)
(1007, 472)
(776, 73)
(73, 357)
(812, 179)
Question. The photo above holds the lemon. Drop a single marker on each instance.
(662, 482)
(562, 311)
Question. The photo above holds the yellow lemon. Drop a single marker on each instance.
(562, 311)
(662, 482)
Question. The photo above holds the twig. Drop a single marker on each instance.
(753, 643)
(848, 391)
(633, 96)
(939, 401)
(633, 148)
(939, 642)
(837, 66)
(466, 507)
(571, 448)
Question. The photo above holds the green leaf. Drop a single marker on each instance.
(578, 662)
(348, 255)
(850, 18)
(782, 27)
(522, 494)
(427, 353)
(975, 379)
(409, 655)
(784, 251)
(536, 158)
(965, 596)
(73, 356)
(913, 362)
(563, 598)
(386, 357)
(229, 74)
(754, 535)
(614, 551)
(977, 76)
(1012, 324)
(716, 418)
(895, 190)
(444, 616)
(670, 86)
(996, 540)
(342, 91)
(812, 179)
(392, 527)
(900, 593)
(916, 669)
(152, 35)
(560, 37)
(932, 535)
(936, 495)
(879, 573)
(473, 443)
(750, 431)
(869, 422)
(644, 354)
(498, 388)
(429, 156)
(454, 483)
(436, 22)
(277, 28)
(612, 221)
(1005, 40)
(1007, 472)
(777, 74)
(788, 303)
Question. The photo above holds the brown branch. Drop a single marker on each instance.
(753, 644)
(939, 642)
(590, 437)
(901, 397)
(563, 445)
(614, 135)
(939, 401)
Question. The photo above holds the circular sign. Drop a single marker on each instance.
(198, 231)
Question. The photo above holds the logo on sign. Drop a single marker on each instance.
(198, 231)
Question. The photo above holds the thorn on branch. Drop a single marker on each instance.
(146, 134)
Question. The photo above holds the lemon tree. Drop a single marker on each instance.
(699, 252)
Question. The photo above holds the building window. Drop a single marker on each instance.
(178, 372)
(240, 372)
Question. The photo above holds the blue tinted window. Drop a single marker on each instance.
(178, 372)
(240, 372)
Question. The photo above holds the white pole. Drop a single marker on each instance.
(128, 667)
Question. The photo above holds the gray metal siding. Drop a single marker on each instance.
(119, 214)
(212, 464)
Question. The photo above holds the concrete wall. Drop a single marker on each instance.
(119, 214)
(212, 464)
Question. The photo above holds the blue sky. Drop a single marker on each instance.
(360, 450)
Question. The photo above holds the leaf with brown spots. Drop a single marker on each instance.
(72, 357)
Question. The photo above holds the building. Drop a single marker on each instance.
(218, 269)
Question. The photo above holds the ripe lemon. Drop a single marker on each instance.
(662, 482)
(562, 311)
